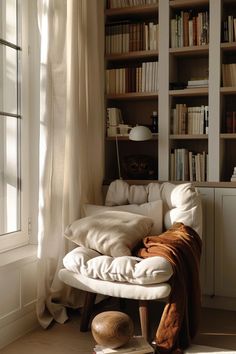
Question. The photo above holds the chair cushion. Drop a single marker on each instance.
(181, 203)
(113, 233)
(135, 270)
(121, 193)
(152, 209)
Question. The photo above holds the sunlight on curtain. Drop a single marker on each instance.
(71, 136)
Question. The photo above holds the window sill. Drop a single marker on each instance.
(19, 255)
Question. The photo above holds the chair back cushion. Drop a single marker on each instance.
(181, 203)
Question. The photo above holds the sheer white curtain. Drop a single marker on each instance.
(71, 135)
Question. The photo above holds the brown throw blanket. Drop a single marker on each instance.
(181, 245)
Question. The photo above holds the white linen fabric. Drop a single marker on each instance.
(120, 193)
(134, 270)
(113, 233)
(152, 210)
(117, 289)
(71, 136)
(181, 203)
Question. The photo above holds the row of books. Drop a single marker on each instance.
(197, 83)
(127, 37)
(142, 78)
(229, 29)
(229, 74)
(187, 29)
(188, 166)
(112, 4)
(190, 120)
(230, 122)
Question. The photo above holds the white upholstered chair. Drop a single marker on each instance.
(127, 276)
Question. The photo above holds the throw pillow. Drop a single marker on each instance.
(152, 210)
(113, 233)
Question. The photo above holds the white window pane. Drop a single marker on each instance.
(9, 175)
(8, 23)
(8, 79)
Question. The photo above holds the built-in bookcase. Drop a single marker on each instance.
(189, 63)
(228, 89)
(131, 70)
(195, 43)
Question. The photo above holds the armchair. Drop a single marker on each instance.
(129, 276)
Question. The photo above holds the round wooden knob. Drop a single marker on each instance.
(112, 329)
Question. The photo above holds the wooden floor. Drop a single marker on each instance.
(218, 329)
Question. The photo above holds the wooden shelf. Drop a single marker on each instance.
(126, 137)
(134, 11)
(228, 90)
(132, 55)
(193, 50)
(188, 136)
(188, 3)
(228, 46)
(133, 96)
(228, 136)
(189, 92)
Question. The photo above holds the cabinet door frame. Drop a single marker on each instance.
(225, 241)
(207, 258)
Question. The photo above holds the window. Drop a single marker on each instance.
(13, 124)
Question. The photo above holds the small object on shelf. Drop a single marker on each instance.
(154, 118)
(233, 178)
(197, 83)
(177, 85)
(114, 121)
(138, 167)
(112, 329)
(140, 133)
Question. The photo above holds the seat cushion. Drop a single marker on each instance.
(135, 270)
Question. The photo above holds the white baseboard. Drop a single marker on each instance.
(18, 328)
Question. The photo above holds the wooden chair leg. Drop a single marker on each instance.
(87, 311)
(143, 315)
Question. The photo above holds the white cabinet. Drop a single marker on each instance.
(225, 242)
(218, 261)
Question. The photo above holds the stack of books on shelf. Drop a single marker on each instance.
(190, 120)
(136, 345)
(187, 166)
(233, 178)
(143, 78)
(229, 29)
(188, 29)
(126, 37)
(196, 83)
(230, 122)
(112, 4)
(229, 74)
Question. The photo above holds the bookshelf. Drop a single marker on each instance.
(177, 65)
(228, 89)
(189, 110)
(131, 56)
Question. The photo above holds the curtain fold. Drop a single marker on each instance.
(71, 137)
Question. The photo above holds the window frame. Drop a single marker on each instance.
(20, 238)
